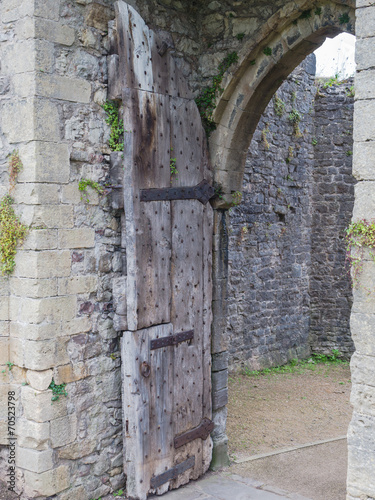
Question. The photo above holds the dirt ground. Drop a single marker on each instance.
(273, 411)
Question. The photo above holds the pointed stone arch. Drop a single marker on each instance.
(289, 37)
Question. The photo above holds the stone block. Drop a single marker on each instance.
(38, 355)
(361, 431)
(47, 483)
(21, 129)
(220, 457)
(46, 162)
(11, 10)
(63, 431)
(364, 206)
(49, 309)
(219, 380)
(54, 32)
(76, 326)
(4, 328)
(63, 88)
(34, 332)
(43, 264)
(362, 398)
(69, 373)
(39, 380)
(34, 460)
(41, 239)
(33, 288)
(48, 9)
(4, 350)
(220, 361)
(362, 327)
(364, 126)
(365, 53)
(220, 398)
(38, 406)
(78, 284)
(75, 493)
(364, 84)
(49, 216)
(37, 194)
(4, 308)
(363, 163)
(77, 449)
(34, 435)
(83, 237)
(98, 16)
(71, 194)
(361, 472)
(365, 22)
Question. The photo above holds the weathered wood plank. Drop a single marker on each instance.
(148, 231)
(186, 141)
(147, 409)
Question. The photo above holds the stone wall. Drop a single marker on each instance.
(288, 288)
(332, 203)
(269, 252)
(61, 303)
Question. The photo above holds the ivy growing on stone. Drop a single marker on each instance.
(344, 18)
(295, 117)
(84, 184)
(359, 235)
(206, 101)
(57, 391)
(12, 233)
(116, 138)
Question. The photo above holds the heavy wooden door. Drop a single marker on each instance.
(166, 351)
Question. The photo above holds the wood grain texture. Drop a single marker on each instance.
(166, 391)
(148, 225)
(147, 412)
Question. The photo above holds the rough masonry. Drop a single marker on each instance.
(60, 314)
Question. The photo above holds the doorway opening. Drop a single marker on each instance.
(289, 295)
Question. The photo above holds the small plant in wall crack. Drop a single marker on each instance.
(295, 117)
(172, 166)
(12, 233)
(206, 101)
(15, 166)
(84, 184)
(264, 134)
(9, 365)
(359, 235)
(116, 138)
(57, 391)
(237, 198)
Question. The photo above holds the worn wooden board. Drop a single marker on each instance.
(147, 414)
(146, 164)
(169, 262)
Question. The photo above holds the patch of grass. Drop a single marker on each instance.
(295, 366)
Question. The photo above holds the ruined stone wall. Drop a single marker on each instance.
(288, 288)
(332, 207)
(61, 295)
(270, 234)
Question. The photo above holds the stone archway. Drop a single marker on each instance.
(247, 91)
(260, 72)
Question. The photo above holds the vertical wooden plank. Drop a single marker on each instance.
(186, 141)
(134, 43)
(148, 231)
(187, 313)
(147, 411)
(207, 322)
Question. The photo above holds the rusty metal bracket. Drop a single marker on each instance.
(202, 192)
(202, 431)
(172, 339)
(172, 473)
